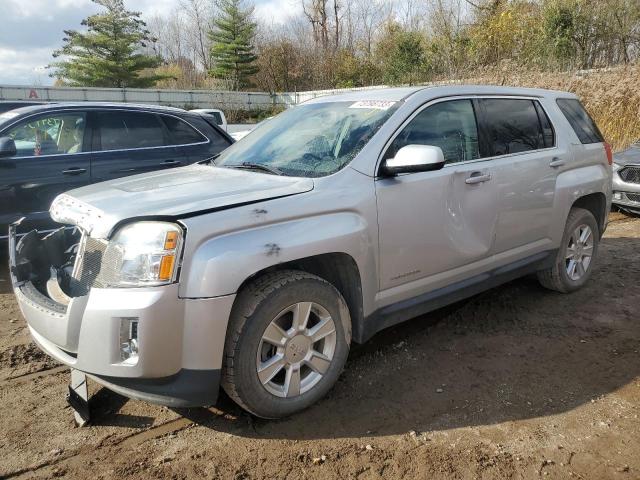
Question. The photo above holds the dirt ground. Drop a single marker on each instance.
(518, 382)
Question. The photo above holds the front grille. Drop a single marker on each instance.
(630, 174)
(634, 197)
(89, 268)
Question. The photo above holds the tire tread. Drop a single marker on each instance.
(550, 277)
(250, 297)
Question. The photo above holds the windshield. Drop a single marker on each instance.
(310, 140)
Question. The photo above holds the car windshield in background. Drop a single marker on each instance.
(310, 140)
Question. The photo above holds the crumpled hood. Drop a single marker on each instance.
(177, 192)
(630, 155)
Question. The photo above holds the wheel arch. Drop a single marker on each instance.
(339, 269)
(586, 187)
(596, 203)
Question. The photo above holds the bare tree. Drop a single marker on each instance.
(199, 14)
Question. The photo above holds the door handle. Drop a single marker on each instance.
(74, 171)
(477, 177)
(171, 162)
(556, 162)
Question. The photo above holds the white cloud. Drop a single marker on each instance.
(25, 66)
(277, 11)
(33, 29)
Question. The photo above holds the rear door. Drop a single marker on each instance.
(127, 142)
(51, 158)
(526, 160)
(437, 227)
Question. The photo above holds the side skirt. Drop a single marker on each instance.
(427, 302)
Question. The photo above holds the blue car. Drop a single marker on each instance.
(48, 149)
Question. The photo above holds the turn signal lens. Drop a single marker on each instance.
(166, 267)
(171, 240)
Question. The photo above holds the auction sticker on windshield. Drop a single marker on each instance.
(377, 104)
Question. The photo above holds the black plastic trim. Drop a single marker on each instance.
(399, 312)
(187, 388)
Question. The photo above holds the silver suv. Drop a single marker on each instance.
(332, 221)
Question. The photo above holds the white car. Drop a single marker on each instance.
(217, 114)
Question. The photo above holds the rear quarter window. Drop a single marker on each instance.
(219, 141)
(584, 126)
(181, 133)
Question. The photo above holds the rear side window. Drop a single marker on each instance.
(584, 126)
(180, 132)
(516, 125)
(126, 130)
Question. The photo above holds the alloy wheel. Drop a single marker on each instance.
(296, 349)
(579, 252)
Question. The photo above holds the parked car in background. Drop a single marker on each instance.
(6, 105)
(334, 220)
(243, 130)
(218, 116)
(47, 149)
(626, 179)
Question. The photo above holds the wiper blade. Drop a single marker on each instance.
(258, 166)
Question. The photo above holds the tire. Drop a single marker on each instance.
(559, 276)
(272, 301)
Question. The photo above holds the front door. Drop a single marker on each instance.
(51, 158)
(436, 227)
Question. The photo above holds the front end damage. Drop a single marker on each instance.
(48, 266)
(131, 340)
(51, 284)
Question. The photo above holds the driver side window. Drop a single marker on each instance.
(450, 125)
(61, 132)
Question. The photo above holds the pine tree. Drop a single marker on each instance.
(109, 53)
(232, 47)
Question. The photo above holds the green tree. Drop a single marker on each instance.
(232, 49)
(402, 55)
(109, 53)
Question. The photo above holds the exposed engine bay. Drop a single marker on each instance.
(49, 263)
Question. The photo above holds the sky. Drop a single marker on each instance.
(32, 29)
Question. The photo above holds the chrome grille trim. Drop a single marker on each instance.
(630, 174)
(88, 265)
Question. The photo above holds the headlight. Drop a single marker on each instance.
(142, 254)
(616, 166)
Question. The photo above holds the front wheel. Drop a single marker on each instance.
(576, 255)
(287, 343)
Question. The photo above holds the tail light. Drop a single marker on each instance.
(607, 148)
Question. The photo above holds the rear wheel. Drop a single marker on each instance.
(287, 343)
(577, 253)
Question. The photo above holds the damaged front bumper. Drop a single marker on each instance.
(145, 343)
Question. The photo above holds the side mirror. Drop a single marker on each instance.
(414, 158)
(7, 147)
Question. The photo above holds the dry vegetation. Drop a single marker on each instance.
(612, 96)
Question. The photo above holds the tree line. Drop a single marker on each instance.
(344, 43)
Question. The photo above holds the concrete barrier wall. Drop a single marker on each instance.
(176, 98)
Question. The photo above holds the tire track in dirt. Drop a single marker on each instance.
(18, 379)
(76, 459)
